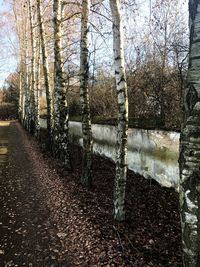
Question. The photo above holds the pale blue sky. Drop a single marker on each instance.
(8, 43)
(8, 59)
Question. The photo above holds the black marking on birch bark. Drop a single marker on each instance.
(191, 98)
(120, 92)
(194, 134)
(124, 120)
(85, 49)
(121, 80)
(191, 153)
(118, 58)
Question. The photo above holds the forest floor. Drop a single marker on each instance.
(48, 219)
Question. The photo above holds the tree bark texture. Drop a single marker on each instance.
(61, 116)
(27, 75)
(45, 70)
(21, 32)
(32, 122)
(84, 95)
(21, 93)
(37, 89)
(122, 97)
(190, 148)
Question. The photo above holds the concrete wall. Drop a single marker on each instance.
(151, 153)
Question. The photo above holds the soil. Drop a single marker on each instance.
(49, 219)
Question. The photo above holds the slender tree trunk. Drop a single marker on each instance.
(27, 75)
(190, 148)
(20, 107)
(86, 178)
(21, 32)
(61, 129)
(33, 70)
(27, 100)
(37, 91)
(45, 70)
(22, 98)
(121, 87)
(26, 70)
(25, 118)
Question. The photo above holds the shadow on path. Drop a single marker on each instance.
(27, 236)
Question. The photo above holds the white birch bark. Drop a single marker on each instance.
(86, 178)
(37, 89)
(61, 129)
(23, 36)
(23, 98)
(190, 148)
(121, 87)
(45, 70)
(22, 18)
(27, 74)
(25, 89)
(20, 107)
(20, 32)
(33, 71)
(22, 95)
(28, 98)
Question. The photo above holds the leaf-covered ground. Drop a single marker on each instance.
(48, 219)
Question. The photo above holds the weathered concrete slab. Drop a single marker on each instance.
(151, 153)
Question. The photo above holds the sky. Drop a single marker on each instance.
(8, 41)
(8, 45)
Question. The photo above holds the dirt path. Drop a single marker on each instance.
(48, 219)
(27, 236)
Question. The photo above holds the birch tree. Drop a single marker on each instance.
(61, 140)
(21, 67)
(121, 88)
(20, 107)
(45, 69)
(33, 70)
(37, 86)
(86, 178)
(23, 28)
(21, 110)
(190, 148)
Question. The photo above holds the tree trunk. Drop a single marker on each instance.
(61, 129)
(190, 148)
(86, 178)
(27, 99)
(45, 70)
(37, 91)
(121, 87)
(21, 32)
(26, 71)
(33, 70)
(27, 76)
(20, 107)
